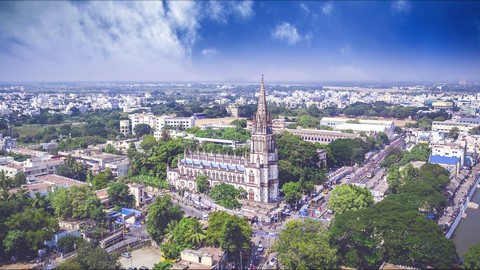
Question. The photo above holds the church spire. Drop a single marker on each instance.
(262, 101)
(262, 122)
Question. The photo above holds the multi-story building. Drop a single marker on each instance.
(158, 122)
(450, 151)
(463, 124)
(442, 105)
(7, 142)
(125, 127)
(256, 173)
(33, 167)
(321, 136)
(370, 127)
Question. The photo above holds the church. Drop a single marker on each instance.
(257, 173)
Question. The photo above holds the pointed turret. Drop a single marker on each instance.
(262, 121)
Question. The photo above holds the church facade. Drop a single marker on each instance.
(256, 173)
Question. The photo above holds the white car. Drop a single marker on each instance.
(272, 262)
(126, 255)
(260, 248)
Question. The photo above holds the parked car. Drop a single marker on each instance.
(273, 261)
(260, 248)
(126, 255)
(143, 268)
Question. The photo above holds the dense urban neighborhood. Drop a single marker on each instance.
(236, 178)
(225, 135)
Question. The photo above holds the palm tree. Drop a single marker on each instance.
(4, 181)
(23, 193)
(38, 201)
(196, 233)
(169, 231)
(5, 195)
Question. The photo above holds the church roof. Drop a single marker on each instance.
(218, 165)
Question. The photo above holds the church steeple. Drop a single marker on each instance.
(262, 121)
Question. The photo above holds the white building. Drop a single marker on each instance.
(360, 125)
(7, 142)
(158, 122)
(449, 151)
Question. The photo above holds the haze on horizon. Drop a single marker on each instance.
(236, 41)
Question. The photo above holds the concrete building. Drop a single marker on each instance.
(50, 182)
(7, 143)
(321, 136)
(442, 105)
(33, 167)
(370, 127)
(256, 173)
(125, 127)
(139, 192)
(203, 258)
(233, 110)
(216, 126)
(159, 122)
(450, 151)
(446, 126)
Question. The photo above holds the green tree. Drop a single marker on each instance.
(148, 142)
(160, 213)
(349, 197)
(16, 243)
(163, 266)
(77, 202)
(472, 257)
(119, 195)
(39, 201)
(235, 235)
(453, 133)
(307, 121)
(19, 179)
(393, 178)
(292, 192)
(100, 181)
(142, 129)
(240, 123)
(195, 233)
(36, 227)
(305, 245)
(203, 185)
(110, 149)
(215, 224)
(91, 257)
(67, 243)
(225, 195)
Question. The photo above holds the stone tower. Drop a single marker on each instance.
(263, 151)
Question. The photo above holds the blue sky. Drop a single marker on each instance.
(236, 41)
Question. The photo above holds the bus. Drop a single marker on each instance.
(112, 239)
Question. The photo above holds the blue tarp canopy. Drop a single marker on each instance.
(128, 211)
(444, 160)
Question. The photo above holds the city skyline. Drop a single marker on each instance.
(238, 40)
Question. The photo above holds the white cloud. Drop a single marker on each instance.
(327, 8)
(304, 7)
(219, 11)
(286, 32)
(207, 53)
(104, 40)
(244, 8)
(401, 6)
